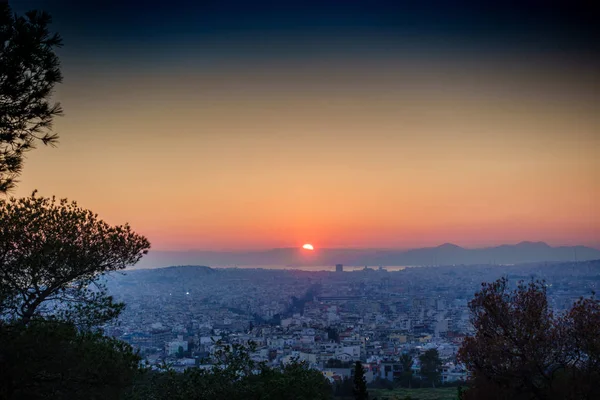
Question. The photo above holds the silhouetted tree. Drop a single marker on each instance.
(431, 366)
(407, 362)
(29, 69)
(333, 334)
(52, 254)
(234, 376)
(344, 388)
(460, 393)
(580, 343)
(520, 350)
(360, 383)
(54, 360)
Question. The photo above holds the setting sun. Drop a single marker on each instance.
(308, 247)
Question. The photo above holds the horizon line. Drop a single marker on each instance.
(317, 248)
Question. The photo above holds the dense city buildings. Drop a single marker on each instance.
(327, 319)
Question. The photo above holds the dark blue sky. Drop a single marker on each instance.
(543, 25)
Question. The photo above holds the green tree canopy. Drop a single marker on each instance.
(29, 70)
(234, 376)
(52, 253)
(54, 360)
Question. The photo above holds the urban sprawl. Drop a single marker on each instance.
(180, 315)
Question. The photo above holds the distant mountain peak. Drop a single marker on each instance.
(445, 254)
(449, 246)
(532, 244)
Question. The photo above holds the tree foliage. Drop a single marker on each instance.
(234, 375)
(54, 360)
(333, 334)
(431, 366)
(406, 376)
(52, 253)
(360, 383)
(29, 70)
(521, 350)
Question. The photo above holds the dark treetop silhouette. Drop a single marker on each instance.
(522, 350)
(51, 256)
(29, 69)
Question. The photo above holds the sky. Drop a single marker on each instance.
(260, 124)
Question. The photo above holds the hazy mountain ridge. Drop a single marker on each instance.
(445, 254)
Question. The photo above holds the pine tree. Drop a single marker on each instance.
(360, 383)
(29, 70)
(54, 251)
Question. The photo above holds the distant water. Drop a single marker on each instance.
(330, 268)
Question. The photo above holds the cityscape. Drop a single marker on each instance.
(177, 314)
(299, 200)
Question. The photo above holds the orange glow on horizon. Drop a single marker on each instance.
(365, 154)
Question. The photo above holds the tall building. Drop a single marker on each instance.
(339, 268)
(158, 337)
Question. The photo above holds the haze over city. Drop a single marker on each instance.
(366, 124)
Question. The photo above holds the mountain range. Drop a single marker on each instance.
(446, 254)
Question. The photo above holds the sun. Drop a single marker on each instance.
(308, 246)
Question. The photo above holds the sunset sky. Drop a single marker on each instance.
(236, 125)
